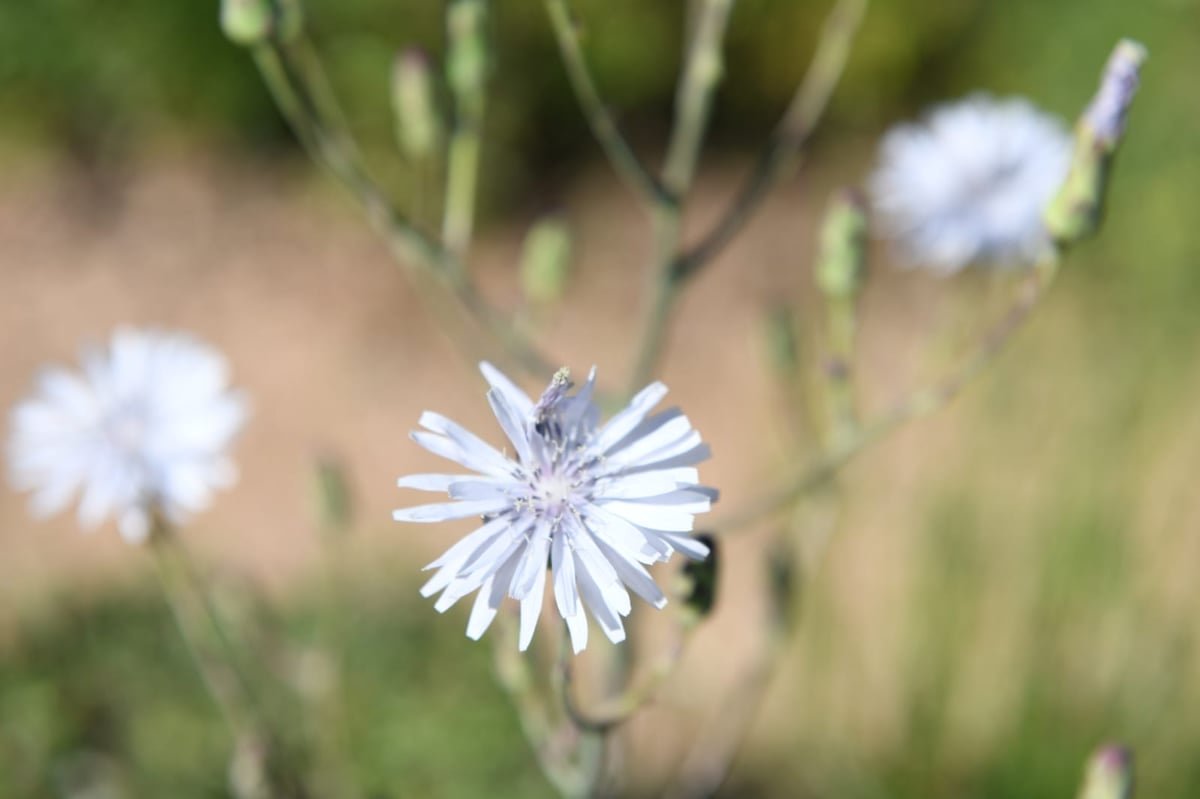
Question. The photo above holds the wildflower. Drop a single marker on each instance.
(598, 502)
(141, 430)
(1075, 212)
(970, 182)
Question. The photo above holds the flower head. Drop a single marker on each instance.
(141, 430)
(970, 182)
(597, 502)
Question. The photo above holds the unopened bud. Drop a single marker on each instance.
(1075, 212)
(466, 59)
(783, 344)
(1109, 774)
(699, 581)
(546, 261)
(248, 768)
(418, 123)
(1110, 107)
(252, 22)
(841, 262)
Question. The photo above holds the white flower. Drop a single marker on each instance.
(595, 501)
(970, 182)
(141, 430)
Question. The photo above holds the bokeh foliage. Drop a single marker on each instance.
(99, 698)
(102, 690)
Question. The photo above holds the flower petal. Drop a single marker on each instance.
(518, 399)
(630, 417)
(444, 511)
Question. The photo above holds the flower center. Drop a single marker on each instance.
(126, 428)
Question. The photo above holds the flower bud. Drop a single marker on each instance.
(1109, 774)
(782, 340)
(546, 261)
(699, 581)
(418, 123)
(841, 262)
(466, 58)
(1075, 212)
(252, 22)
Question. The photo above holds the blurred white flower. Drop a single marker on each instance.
(594, 502)
(142, 429)
(969, 183)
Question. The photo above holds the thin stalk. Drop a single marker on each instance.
(707, 763)
(783, 151)
(916, 405)
(619, 709)
(462, 175)
(217, 661)
(293, 73)
(570, 758)
(693, 105)
(467, 66)
(626, 163)
(841, 331)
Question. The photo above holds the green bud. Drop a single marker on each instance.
(1075, 212)
(247, 22)
(252, 22)
(783, 344)
(1109, 774)
(466, 59)
(418, 123)
(841, 262)
(335, 505)
(546, 261)
(699, 581)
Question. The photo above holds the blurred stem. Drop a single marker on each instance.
(787, 142)
(293, 73)
(707, 762)
(916, 405)
(841, 331)
(639, 693)
(673, 267)
(626, 163)
(693, 104)
(215, 658)
(467, 61)
(571, 758)
(462, 171)
(334, 530)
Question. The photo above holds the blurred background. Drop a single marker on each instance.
(1002, 588)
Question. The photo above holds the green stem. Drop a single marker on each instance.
(571, 758)
(841, 327)
(462, 172)
(637, 694)
(707, 762)
(918, 404)
(693, 104)
(466, 66)
(787, 142)
(293, 73)
(216, 660)
(626, 163)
